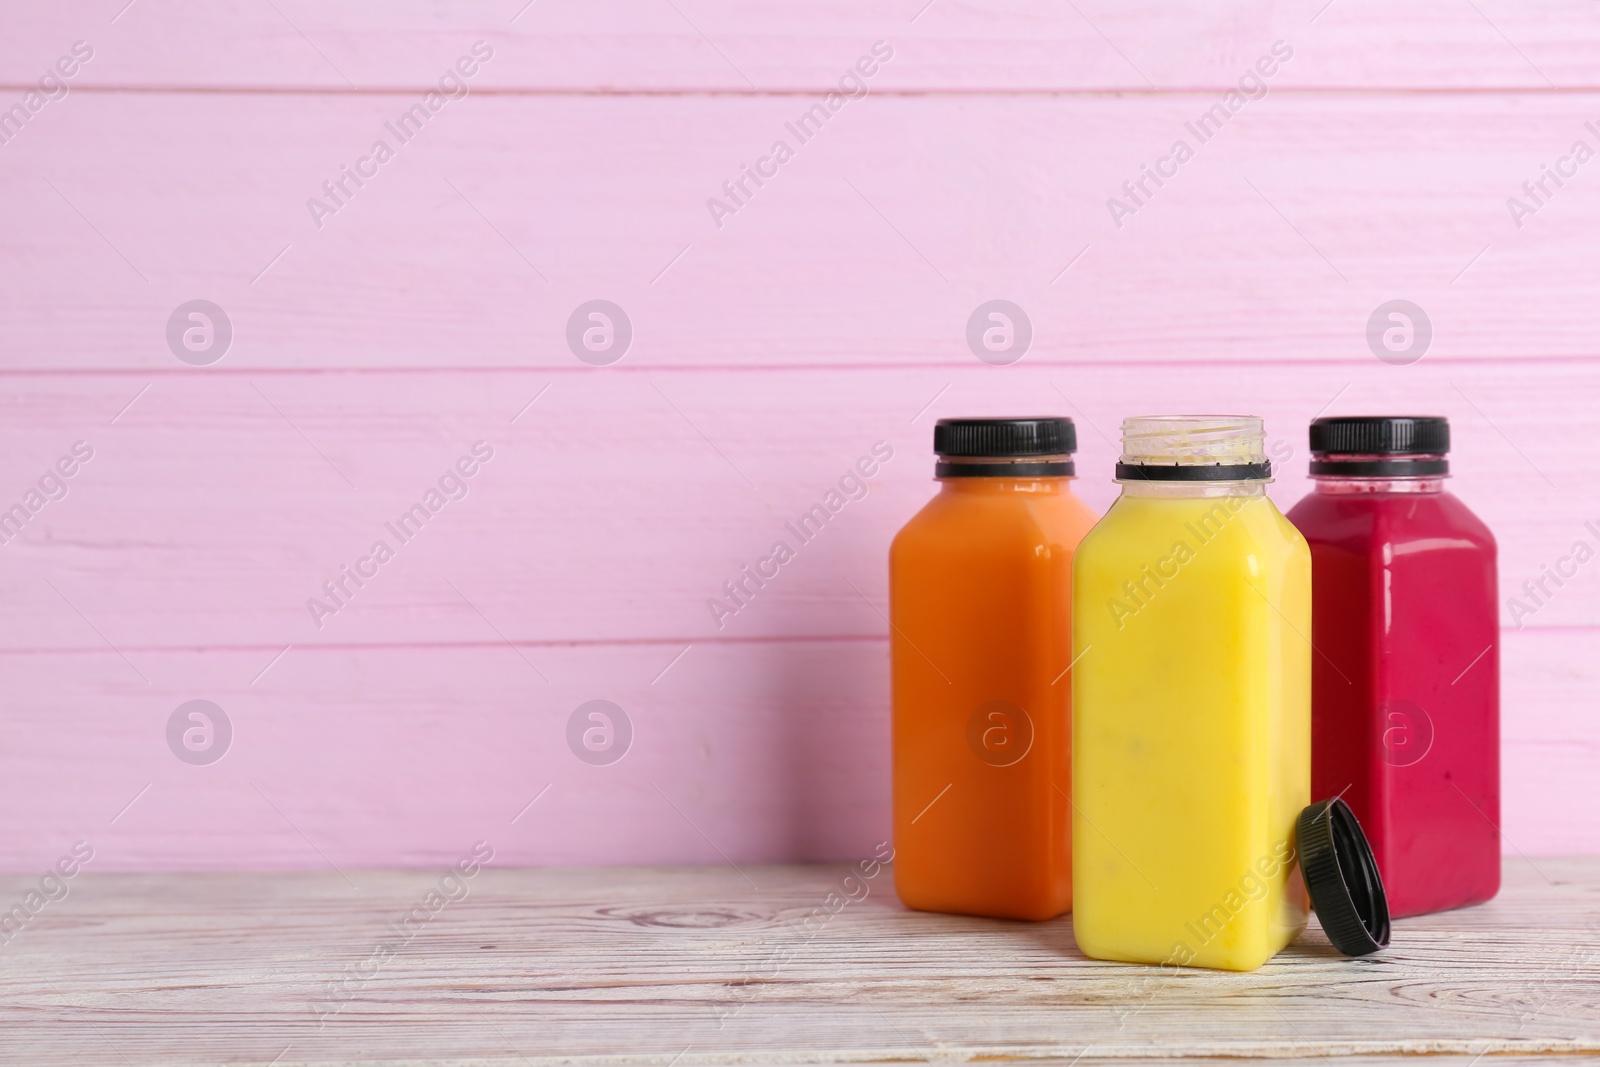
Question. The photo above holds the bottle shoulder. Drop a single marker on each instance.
(1467, 521)
(1219, 529)
(1387, 523)
(959, 522)
(1134, 516)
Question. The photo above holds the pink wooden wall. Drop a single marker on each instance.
(768, 353)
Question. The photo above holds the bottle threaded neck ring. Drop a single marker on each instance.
(1193, 448)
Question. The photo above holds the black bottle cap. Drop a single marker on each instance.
(1005, 438)
(1044, 441)
(1382, 435)
(1380, 446)
(1341, 874)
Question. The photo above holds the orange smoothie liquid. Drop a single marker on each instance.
(980, 601)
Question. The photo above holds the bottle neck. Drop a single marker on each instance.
(1004, 467)
(993, 486)
(1192, 490)
(1352, 474)
(1332, 486)
(1186, 457)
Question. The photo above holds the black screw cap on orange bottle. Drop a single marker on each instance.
(1016, 448)
(1341, 874)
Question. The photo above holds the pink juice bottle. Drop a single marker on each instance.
(1406, 671)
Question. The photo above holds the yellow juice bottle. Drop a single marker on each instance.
(1191, 700)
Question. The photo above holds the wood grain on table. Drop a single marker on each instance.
(760, 964)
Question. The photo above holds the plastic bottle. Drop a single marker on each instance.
(1191, 705)
(979, 593)
(1406, 686)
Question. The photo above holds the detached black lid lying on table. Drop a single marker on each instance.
(1341, 874)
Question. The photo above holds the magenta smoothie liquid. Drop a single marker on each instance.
(1406, 679)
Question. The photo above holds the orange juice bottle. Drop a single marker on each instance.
(980, 639)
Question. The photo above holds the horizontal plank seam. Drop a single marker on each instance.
(598, 642)
(819, 90)
(361, 646)
(743, 368)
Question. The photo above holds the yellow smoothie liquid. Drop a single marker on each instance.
(1191, 754)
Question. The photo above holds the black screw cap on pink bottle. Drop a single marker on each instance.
(1380, 446)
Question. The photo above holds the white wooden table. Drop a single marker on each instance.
(708, 965)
